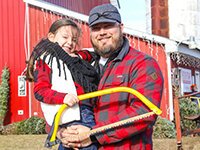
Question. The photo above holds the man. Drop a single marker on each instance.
(122, 66)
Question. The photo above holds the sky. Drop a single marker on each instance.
(133, 13)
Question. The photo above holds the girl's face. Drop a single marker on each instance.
(66, 37)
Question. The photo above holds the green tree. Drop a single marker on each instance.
(4, 95)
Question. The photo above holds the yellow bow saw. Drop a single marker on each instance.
(51, 139)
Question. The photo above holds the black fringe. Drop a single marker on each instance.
(82, 72)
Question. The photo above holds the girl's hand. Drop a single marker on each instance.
(70, 99)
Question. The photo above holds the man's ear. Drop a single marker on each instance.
(122, 27)
(50, 36)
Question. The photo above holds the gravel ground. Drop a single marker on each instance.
(36, 142)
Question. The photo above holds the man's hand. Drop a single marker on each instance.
(75, 136)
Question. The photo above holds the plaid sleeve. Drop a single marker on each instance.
(42, 86)
(86, 55)
(146, 78)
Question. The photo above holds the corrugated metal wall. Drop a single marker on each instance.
(81, 6)
(12, 53)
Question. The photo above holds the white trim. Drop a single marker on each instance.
(171, 106)
(27, 49)
(148, 16)
(197, 82)
(28, 31)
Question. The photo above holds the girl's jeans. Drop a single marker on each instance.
(87, 119)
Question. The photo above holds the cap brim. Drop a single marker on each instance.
(102, 21)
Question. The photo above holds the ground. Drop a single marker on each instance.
(36, 142)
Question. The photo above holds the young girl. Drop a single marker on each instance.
(59, 78)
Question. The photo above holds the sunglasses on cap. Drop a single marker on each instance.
(105, 16)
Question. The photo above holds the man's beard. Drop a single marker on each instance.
(106, 51)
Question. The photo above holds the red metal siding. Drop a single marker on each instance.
(81, 6)
(13, 54)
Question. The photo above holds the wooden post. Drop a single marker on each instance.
(177, 122)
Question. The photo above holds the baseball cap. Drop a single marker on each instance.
(104, 13)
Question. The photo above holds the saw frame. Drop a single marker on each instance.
(52, 140)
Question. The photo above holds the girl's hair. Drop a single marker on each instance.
(53, 29)
(63, 22)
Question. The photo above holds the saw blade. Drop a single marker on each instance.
(118, 124)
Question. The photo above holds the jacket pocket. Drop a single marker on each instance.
(115, 81)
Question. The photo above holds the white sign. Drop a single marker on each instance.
(21, 86)
(186, 79)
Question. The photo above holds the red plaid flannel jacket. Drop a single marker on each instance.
(130, 68)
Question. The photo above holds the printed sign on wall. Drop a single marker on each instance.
(21, 86)
(186, 79)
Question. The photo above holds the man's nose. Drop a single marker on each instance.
(102, 31)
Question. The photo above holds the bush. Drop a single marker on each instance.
(164, 128)
(188, 108)
(33, 125)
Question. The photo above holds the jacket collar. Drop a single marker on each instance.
(123, 51)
